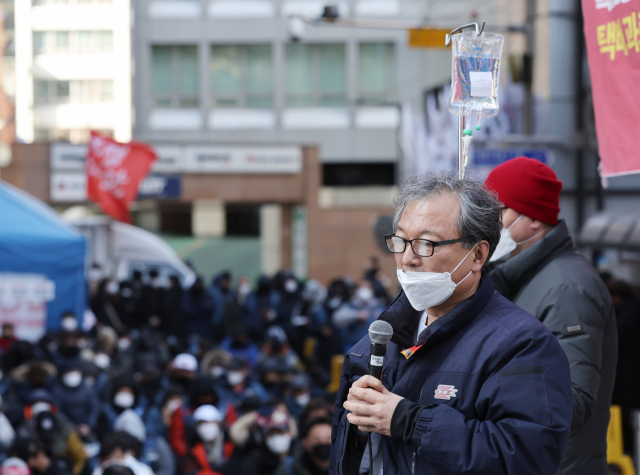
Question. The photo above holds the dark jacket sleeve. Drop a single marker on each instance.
(523, 408)
(579, 322)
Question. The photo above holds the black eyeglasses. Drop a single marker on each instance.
(420, 247)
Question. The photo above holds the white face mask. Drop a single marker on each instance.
(507, 245)
(365, 294)
(69, 324)
(112, 287)
(278, 444)
(102, 361)
(124, 400)
(290, 286)
(72, 379)
(235, 377)
(208, 431)
(124, 343)
(217, 371)
(303, 399)
(429, 289)
(173, 405)
(39, 407)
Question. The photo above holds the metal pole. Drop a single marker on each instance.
(460, 147)
(527, 107)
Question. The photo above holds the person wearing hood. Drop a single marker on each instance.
(275, 447)
(44, 423)
(239, 345)
(124, 396)
(537, 267)
(153, 450)
(214, 363)
(198, 308)
(201, 392)
(119, 448)
(68, 351)
(209, 451)
(239, 385)
(353, 317)
(28, 377)
(299, 395)
(276, 347)
(40, 463)
(312, 456)
(76, 400)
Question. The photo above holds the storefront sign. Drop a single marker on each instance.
(243, 160)
(72, 187)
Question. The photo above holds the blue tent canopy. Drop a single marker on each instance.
(34, 240)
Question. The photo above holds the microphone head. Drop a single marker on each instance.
(380, 332)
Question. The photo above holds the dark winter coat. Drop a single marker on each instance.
(552, 281)
(488, 393)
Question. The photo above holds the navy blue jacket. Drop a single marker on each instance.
(511, 413)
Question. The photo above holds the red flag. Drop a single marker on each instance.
(114, 172)
(612, 32)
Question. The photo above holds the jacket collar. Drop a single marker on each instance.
(404, 318)
(512, 274)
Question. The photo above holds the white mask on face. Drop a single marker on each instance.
(208, 431)
(102, 360)
(124, 400)
(303, 399)
(69, 324)
(72, 379)
(217, 371)
(291, 285)
(173, 405)
(365, 294)
(39, 407)
(235, 377)
(279, 444)
(429, 289)
(506, 243)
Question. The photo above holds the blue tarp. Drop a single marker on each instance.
(34, 240)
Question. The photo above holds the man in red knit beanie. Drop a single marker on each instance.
(536, 266)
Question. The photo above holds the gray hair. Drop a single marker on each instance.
(480, 210)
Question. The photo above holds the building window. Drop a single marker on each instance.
(59, 42)
(242, 76)
(80, 91)
(376, 74)
(315, 75)
(175, 76)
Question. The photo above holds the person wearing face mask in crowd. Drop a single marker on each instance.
(312, 456)
(44, 423)
(151, 450)
(214, 363)
(201, 392)
(276, 348)
(68, 351)
(267, 299)
(239, 385)
(184, 368)
(30, 376)
(223, 298)
(239, 345)
(124, 394)
(299, 395)
(542, 272)
(494, 391)
(79, 402)
(209, 451)
(308, 316)
(273, 452)
(354, 317)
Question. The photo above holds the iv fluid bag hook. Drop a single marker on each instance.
(479, 30)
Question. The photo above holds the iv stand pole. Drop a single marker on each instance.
(461, 124)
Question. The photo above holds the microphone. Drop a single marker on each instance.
(380, 333)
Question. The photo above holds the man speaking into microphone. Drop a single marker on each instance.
(470, 382)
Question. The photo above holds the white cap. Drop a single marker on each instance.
(14, 466)
(131, 422)
(207, 413)
(186, 362)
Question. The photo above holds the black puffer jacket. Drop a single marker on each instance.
(554, 282)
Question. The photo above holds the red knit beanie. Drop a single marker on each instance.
(527, 186)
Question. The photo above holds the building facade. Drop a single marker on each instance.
(73, 69)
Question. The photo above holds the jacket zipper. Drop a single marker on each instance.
(338, 471)
(415, 451)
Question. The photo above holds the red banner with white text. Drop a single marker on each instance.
(114, 172)
(612, 31)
